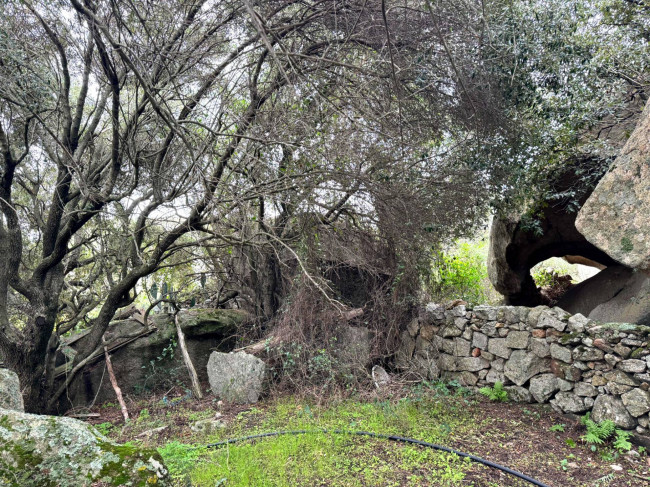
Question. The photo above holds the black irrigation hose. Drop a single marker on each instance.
(386, 437)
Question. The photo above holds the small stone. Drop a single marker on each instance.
(460, 323)
(447, 363)
(617, 389)
(622, 350)
(467, 379)
(565, 371)
(633, 366)
(498, 347)
(480, 340)
(503, 332)
(539, 333)
(487, 313)
(616, 468)
(422, 345)
(450, 331)
(10, 395)
(518, 394)
(467, 334)
(448, 346)
(493, 376)
(476, 352)
(523, 365)
(543, 386)
(490, 329)
(534, 315)
(612, 359)
(547, 319)
(602, 345)
(637, 402)
(459, 310)
(539, 347)
(599, 380)
(580, 365)
(568, 402)
(413, 327)
(584, 389)
(621, 378)
(560, 353)
(463, 347)
(497, 364)
(488, 356)
(564, 385)
(427, 332)
(577, 323)
(207, 426)
(472, 364)
(587, 354)
(612, 408)
(518, 339)
(380, 376)
(643, 421)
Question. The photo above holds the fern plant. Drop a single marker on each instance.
(597, 433)
(622, 441)
(496, 393)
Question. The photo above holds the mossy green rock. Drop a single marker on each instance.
(10, 396)
(51, 451)
(143, 363)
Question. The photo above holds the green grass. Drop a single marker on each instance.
(329, 459)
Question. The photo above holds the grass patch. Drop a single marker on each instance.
(327, 458)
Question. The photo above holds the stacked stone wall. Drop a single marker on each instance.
(540, 355)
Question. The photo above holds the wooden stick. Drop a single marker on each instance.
(188, 361)
(116, 388)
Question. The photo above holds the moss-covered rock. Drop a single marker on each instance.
(10, 396)
(153, 361)
(44, 451)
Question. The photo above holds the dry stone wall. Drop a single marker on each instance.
(540, 354)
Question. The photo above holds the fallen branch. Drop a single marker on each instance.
(116, 387)
(196, 387)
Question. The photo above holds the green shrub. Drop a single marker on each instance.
(460, 272)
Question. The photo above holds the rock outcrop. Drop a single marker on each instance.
(616, 294)
(143, 364)
(515, 249)
(10, 396)
(616, 217)
(49, 451)
(236, 377)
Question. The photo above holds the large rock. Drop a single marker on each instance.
(353, 347)
(569, 402)
(637, 402)
(43, 451)
(10, 396)
(612, 408)
(523, 365)
(616, 294)
(153, 361)
(515, 247)
(236, 377)
(616, 217)
(543, 386)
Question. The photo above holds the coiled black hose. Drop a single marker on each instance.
(399, 439)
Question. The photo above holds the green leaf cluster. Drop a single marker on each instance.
(496, 393)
